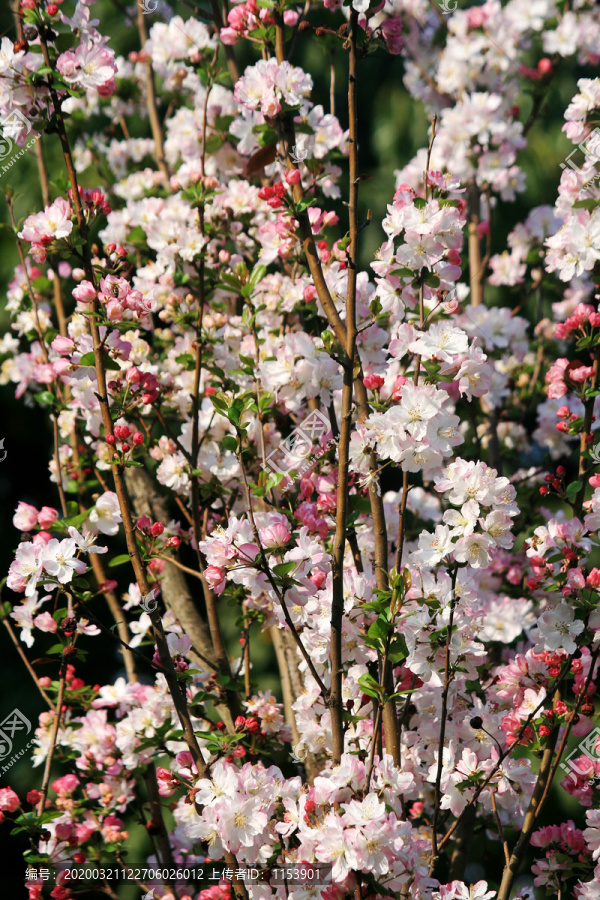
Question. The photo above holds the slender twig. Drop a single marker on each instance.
(337, 605)
(53, 736)
(504, 755)
(266, 569)
(28, 665)
(448, 675)
(499, 827)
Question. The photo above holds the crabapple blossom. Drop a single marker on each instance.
(377, 474)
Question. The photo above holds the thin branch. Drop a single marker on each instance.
(28, 665)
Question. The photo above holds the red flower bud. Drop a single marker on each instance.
(157, 529)
(138, 438)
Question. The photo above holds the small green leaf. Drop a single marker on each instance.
(119, 560)
(369, 686)
(230, 443)
(573, 489)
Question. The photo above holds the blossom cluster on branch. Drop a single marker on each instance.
(388, 472)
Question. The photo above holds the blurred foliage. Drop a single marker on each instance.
(392, 128)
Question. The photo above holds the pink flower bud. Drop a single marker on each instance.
(63, 345)
(544, 66)
(85, 292)
(157, 529)
(47, 516)
(400, 381)
(293, 176)
(274, 535)
(138, 438)
(593, 579)
(9, 801)
(318, 578)
(373, 382)
(215, 578)
(133, 375)
(25, 517)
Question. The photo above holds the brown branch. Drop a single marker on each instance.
(26, 662)
(475, 267)
(151, 105)
(444, 714)
(53, 736)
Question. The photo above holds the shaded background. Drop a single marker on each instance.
(392, 128)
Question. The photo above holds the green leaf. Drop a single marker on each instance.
(369, 686)
(573, 489)
(186, 359)
(585, 204)
(45, 397)
(274, 480)
(230, 443)
(379, 629)
(119, 560)
(283, 569)
(258, 273)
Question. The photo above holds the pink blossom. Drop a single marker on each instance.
(25, 517)
(9, 801)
